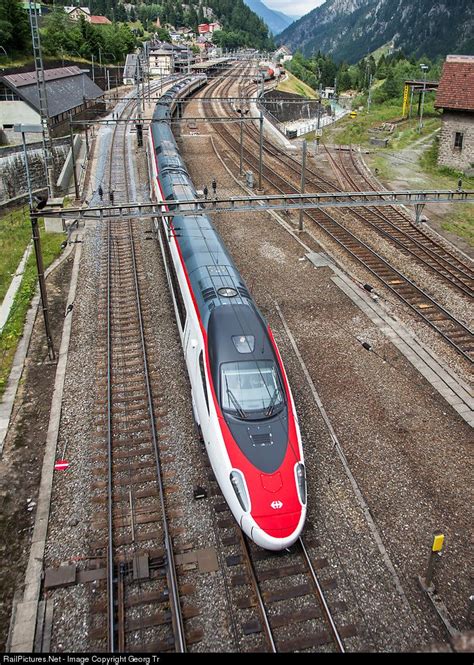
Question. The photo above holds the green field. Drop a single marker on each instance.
(296, 87)
(15, 233)
(360, 129)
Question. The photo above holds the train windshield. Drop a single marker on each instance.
(251, 389)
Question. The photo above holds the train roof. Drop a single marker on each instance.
(214, 278)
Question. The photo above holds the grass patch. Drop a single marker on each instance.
(460, 223)
(295, 86)
(11, 333)
(15, 234)
(349, 131)
(408, 132)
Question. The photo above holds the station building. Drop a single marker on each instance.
(455, 97)
(68, 89)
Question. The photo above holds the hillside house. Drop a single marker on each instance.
(208, 28)
(75, 13)
(455, 97)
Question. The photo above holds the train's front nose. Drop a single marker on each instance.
(275, 532)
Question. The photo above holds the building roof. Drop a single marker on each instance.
(100, 20)
(130, 69)
(66, 88)
(71, 8)
(456, 87)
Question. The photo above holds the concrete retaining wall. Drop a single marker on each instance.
(65, 176)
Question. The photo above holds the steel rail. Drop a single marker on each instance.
(446, 264)
(171, 573)
(441, 260)
(458, 275)
(111, 586)
(456, 271)
(313, 176)
(322, 599)
(177, 616)
(328, 219)
(110, 547)
(256, 587)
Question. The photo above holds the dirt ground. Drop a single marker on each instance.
(406, 174)
(22, 459)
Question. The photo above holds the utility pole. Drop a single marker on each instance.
(137, 80)
(424, 69)
(260, 162)
(42, 283)
(370, 93)
(303, 170)
(73, 157)
(43, 99)
(241, 143)
(35, 233)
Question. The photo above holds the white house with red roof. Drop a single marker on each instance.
(75, 13)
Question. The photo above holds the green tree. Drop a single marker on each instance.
(14, 27)
(391, 87)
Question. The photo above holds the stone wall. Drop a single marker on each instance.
(459, 158)
(13, 181)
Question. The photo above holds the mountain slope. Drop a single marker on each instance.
(350, 29)
(276, 21)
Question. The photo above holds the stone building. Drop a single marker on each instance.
(161, 60)
(456, 97)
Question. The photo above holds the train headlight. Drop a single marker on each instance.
(238, 484)
(301, 481)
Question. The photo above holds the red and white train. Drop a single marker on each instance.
(241, 397)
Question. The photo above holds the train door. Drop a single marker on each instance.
(191, 352)
(202, 396)
(195, 364)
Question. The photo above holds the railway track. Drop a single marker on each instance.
(143, 606)
(389, 223)
(453, 330)
(393, 225)
(280, 600)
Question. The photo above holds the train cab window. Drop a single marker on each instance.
(251, 389)
(203, 379)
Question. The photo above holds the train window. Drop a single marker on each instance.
(251, 388)
(203, 379)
